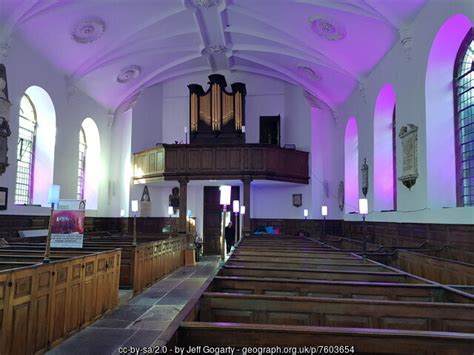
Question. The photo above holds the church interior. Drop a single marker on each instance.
(237, 177)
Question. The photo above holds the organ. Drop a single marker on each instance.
(217, 116)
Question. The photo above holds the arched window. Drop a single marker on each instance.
(385, 182)
(92, 168)
(25, 151)
(351, 166)
(81, 169)
(464, 120)
(441, 108)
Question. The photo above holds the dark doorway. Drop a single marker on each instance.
(212, 216)
(270, 130)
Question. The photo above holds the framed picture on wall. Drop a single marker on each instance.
(3, 198)
(297, 200)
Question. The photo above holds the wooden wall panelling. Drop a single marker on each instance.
(19, 312)
(436, 269)
(89, 290)
(74, 296)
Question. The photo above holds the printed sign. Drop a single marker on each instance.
(67, 224)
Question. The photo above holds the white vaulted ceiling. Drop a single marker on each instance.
(112, 49)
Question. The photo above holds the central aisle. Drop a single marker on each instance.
(139, 322)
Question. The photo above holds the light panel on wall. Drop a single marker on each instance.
(53, 194)
(235, 206)
(363, 206)
(225, 195)
(324, 211)
(134, 206)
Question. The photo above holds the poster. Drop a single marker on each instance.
(67, 224)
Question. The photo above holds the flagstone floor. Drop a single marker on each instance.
(139, 322)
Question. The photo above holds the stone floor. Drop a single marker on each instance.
(139, 322)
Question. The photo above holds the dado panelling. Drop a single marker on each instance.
(42, 304)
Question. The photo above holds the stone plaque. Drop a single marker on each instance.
(409, 137)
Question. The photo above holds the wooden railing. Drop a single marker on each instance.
(201, 162)
(41, 304)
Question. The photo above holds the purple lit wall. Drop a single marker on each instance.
(45, 144)
(384, 184)
(440, 144)
(351, 166)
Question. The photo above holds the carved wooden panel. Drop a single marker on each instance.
(223, 162)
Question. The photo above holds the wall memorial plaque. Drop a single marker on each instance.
(409, 136)
(340, 195)
(5, 131)
(297, 200)
(365, 177)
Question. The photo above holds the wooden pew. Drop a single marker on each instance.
(337, 289)
(322, 255)
(284, 260)
(436, 269)
(312, 274)
(42, 304)
(141, 265)
(373, 341)
(307, 265)
(284, 292)
(334, 312)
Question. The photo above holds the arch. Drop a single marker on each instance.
(464, 117)
(439, 100)
(351, 166)
(81, 166)
(384, 150)
(42, 162)
(92, 164)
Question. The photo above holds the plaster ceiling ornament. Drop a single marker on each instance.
(312, 100)
(71, 88)
(215, 49)
(129, 73)
(205, 3)
(309, 73)
(88, 30)
(128, 103)
(327, 28)
(5, 46)
(406, 40)
(363, 88)
(110, 118)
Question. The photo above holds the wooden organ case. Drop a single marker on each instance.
(216, 116)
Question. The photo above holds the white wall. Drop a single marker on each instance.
(408, 80)
(24, 69)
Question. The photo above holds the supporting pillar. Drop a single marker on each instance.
(183, 209)
(246, 218)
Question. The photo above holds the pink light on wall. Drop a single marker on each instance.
(351, 166)
(440, 142)
(384, 164)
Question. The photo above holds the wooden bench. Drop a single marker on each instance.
(236, 261)
(436, 269)
(284, 260)
(42, 304)
(337, 289)
(334, 312)
(141, 265)
(311, 274)
(373, 341)
(288, 292)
